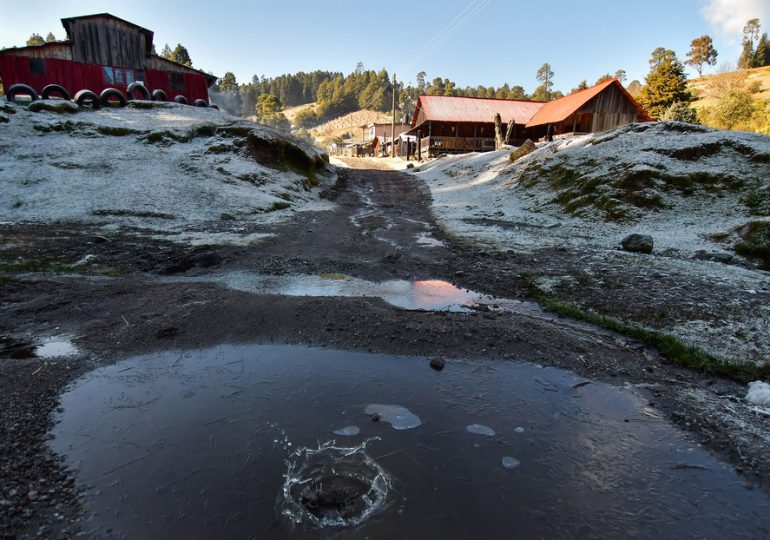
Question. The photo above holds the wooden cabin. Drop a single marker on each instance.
(102, 52)
(453, 125)
(381, 134)
(602, 107)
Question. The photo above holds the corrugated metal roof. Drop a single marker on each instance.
(469, 109)
(560, 109)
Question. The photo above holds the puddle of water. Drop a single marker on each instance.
(201, 444)
(425, 295)
(50, 348)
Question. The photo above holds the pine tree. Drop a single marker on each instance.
(762, 54)
(605, 77)
(50, 37)
(181, 55)
(228, 83)
(702, 52)
(634, 88)
(581, 86)
(750, 36)
(666, 83)
(620, 75)
(167, 53)
(545, 76)
(35, 39)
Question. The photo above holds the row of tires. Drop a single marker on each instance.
(108, 97)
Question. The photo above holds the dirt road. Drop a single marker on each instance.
(147, 295)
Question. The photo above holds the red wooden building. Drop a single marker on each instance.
(103, 58)
(451, 124)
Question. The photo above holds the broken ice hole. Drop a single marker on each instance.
(332, 486)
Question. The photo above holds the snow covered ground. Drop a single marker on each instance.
(493, 201)
(167, 170)
(685, 186)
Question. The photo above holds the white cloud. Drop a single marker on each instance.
(729, 17)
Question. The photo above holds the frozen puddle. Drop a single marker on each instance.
(426, 295)
(236, 442)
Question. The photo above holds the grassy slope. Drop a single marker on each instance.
(701, 87)
(350, 124)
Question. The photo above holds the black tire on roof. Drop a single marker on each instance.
(112, 93)
(23, 89)
(214, 106)
(200, 103)
(86, 98)
(135, 87)
(159, 95)
(55, 89)
(181, 99)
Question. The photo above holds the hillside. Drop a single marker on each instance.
(348, 125)
(705, 88)
(166, 169)
(703, 195)
(291, 112)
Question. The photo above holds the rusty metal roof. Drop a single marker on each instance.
(560, 109)
(470, 109)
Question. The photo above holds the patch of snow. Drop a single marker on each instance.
(478, 195)
(759, 394)
(98, 166)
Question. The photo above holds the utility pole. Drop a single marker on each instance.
(393, 122)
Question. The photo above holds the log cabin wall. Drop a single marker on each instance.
(107, 42)
(609, 110)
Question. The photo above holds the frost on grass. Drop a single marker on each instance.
(166, 169)
(691, 188)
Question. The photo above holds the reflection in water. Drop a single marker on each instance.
(196, 444)
(53, 347)
(428, 295)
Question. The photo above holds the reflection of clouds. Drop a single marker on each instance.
(426, 294)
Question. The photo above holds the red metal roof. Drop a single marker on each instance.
(560, 109)
(469, 109)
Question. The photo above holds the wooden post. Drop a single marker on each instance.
(498, 131)
(419, 145)
(393, 122)
(509, 131)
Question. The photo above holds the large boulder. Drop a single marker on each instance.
(637, 243)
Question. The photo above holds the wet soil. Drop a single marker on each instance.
(122, 303)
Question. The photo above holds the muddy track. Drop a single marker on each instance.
(381, 229)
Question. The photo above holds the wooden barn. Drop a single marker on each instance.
(604, 106)
(451, 125)
(102, 52)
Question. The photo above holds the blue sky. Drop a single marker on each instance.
(472, 42)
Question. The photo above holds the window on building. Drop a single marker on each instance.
(177, 82)
(109, 75)
(139, 76)
(129, 76)
(37, 66)
(120, 76)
